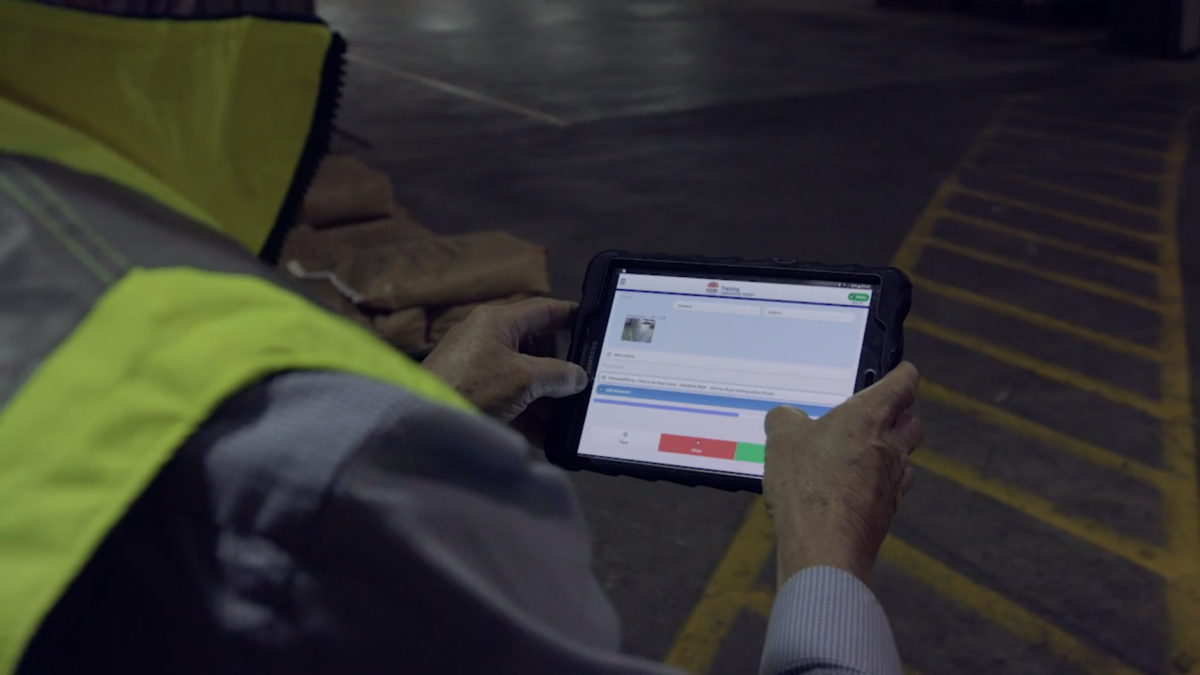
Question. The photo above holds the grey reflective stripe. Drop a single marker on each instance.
(49, 278)
(66, 236)
(142, 231)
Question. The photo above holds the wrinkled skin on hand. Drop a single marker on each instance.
(833, 485)
(502, 358)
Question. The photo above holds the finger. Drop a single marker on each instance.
(554, 378)
(783, 417)
(892, 395)
(540, 344)
(909, 431)
(531, 317)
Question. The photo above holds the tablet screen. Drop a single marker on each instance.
(690, 366)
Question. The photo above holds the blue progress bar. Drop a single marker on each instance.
(705, 399)
(666, 407)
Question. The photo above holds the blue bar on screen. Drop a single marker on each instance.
(634, 404)
(705, 399)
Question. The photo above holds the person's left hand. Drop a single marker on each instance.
(502, 357)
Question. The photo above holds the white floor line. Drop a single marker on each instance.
(455, 90)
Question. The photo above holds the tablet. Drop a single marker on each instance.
(687, 356)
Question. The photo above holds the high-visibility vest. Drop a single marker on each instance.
(141, 164)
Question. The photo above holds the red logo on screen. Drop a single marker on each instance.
(713, 286)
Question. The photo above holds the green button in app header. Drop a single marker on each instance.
(860, 297)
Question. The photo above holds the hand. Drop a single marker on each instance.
(833, 485)
(482, 357)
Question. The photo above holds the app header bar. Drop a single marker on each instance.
(745, 290)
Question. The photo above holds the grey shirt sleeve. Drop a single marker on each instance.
(825, 621)
(322, 523)
(444, 547)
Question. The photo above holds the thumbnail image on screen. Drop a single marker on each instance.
(690, 366)
(638, 329)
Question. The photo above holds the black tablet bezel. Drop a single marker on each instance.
(882, 345)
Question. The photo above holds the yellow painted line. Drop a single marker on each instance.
(1051, 186)
(699, 640)
(1092, 287)
(1049, 371)
(725, 595)
(1088, 452)
(759, 602)
(1001, 611)
(1054, 242)
(1181, 503)
(1052, 118)
(1141, 553)
(1084, 142)
(460, 92)
(1001, 145)
(1066, 216)
(910, 250)
(731, 588)
(1038, 319)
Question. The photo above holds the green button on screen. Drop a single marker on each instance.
(751, 452)
(859, 297)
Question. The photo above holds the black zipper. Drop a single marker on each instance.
(316, 146)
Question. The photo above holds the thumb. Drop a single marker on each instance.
(555, 378)
(892, 395)
(782, 417)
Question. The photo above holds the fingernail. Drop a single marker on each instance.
(580, 379)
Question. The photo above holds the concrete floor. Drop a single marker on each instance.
(1027, 177)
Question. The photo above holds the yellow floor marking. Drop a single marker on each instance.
(725, 595)
(759, 602)
(1049, 371)
(1065, 442)
(1053, 242)
(1181, 504)
(1092, 287)
(731, 588)
(910, 250)
(461, 92)
(1072, 166)
(1066, 216)
(698, 641)
(1051, 437)
(1051, 186)
(700, 638)
(1088, 124)
(1139, 552)
(1001, 611)
(1037, 319)
(1084, 142)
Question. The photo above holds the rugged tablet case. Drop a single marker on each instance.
(883, 347)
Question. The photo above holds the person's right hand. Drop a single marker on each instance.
(833, 485)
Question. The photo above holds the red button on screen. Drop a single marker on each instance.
(701, 447)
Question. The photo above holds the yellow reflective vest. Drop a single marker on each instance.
(142, 163)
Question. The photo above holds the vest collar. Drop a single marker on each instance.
(224, 120)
